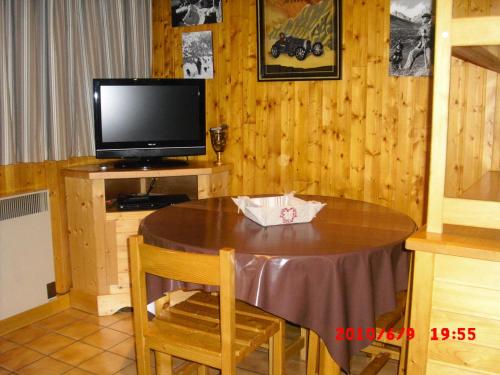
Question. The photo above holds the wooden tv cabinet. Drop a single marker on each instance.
(98, 232)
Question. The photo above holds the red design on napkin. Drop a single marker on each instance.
(288, 215)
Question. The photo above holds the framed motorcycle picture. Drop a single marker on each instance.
(299, 39)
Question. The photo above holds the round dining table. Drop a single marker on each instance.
(341, 270)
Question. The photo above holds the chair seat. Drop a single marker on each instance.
(191, 329)
(206, 329)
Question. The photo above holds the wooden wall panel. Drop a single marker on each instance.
(19, 178)
(495, 163)
(474, 120)
(466, 295)
(363, 137)
(472, 106)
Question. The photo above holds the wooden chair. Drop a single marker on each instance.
(214, 331)
(381, 350)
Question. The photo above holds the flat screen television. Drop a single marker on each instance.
(141, 121)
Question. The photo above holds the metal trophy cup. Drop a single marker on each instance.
(218, 137)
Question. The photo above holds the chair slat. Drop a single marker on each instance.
(243, 336)
(375, 366)
(241, 307)
(160, 335)
(196, 347)
(211, 314)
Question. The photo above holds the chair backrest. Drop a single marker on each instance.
(215, 270)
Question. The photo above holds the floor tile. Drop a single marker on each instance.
(125, 348)
(360, 361)
(129, 370)
(17, 358)
(105, 338)
(125, 313)
(77, 314)
(105, 363)
(256, 362)
(105, 321)
(77, 371)
(182, 366)
(56, 322)
(125, 325)
(109, 319)
(79, 329)
(26, 334)
(76, 353)
(50, 343)
(295, 366)
(115, 334)
(6, 345)
(45, 366)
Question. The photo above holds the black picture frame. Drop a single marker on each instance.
(288, 51)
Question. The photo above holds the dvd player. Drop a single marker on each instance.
(148, 202)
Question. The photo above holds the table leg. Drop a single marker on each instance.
(163, 363)
(277, 351)
(312, 353)
(304, 334)
(327, 366)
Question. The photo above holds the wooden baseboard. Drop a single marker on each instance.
(99, 305)
(31, 316)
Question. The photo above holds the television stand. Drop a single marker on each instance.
(149, 163)
(98, 231)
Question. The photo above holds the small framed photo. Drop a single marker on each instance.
(299, 40)
(195, 12)
(412, 38)
(197, 55)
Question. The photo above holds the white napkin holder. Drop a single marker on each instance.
(278, 210)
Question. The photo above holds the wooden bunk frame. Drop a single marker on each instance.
(456, 275)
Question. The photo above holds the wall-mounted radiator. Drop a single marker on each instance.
(26, 254)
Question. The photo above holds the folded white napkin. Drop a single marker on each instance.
(278, 210)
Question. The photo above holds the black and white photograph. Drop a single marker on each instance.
(198, 55)
(196, 12)
(412, 38)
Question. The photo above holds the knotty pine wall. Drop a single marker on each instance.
(474, 114)
(26, 177)
(364, 137)
(474, 126)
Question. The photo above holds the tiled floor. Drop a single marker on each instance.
(72, 343)
(76, 343)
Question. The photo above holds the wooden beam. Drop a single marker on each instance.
(377, 348)
(375, 366)
(440, 100)
(475, 31)
(420, 312)
(478, 55)
(459, 241)
(469, 212)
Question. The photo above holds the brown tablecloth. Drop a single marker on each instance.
(343, 269)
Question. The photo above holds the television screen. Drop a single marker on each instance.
(149, 118)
